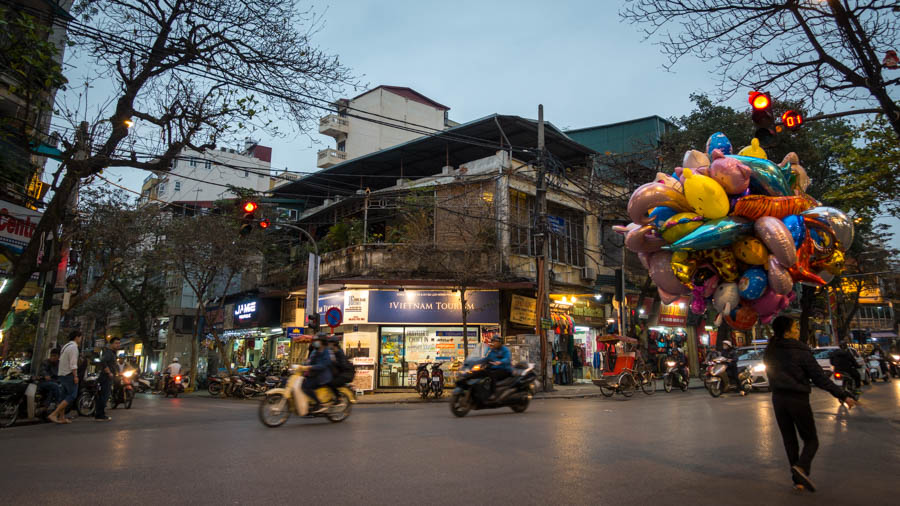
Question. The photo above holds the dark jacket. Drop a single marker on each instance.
(843, 360)
(107, 359)
(790, 366)
(320, 367)
(48, 368)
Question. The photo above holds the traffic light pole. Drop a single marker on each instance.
(312, 281)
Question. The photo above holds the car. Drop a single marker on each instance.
(752, 358)
(823, 357)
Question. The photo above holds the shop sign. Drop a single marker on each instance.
(263, 312)
(674, 315)
(363, 360)
(557, 225)
(356, 306)
(585, 310)
(17, 225)
(327, 302)
(245, 311)
(546, 323)
(521, 310)
(433, 307)
(294, 332)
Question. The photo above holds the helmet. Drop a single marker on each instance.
(727, 344)
(175, 360)
(497, 338)
(333, 339)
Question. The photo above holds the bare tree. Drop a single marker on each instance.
(187, 74)
(812, 51)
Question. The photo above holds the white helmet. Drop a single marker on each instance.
(727, 343)
(176, 358)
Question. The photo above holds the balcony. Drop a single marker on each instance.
(334, 126)
(329, 157)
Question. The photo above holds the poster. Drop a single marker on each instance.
(364, 381)
(674, 315)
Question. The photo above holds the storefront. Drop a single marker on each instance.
(387, 333)
(252, 326)
(576, 323)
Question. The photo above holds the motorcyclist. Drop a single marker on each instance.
(730, 353)
(318, 371)
(47, 374)
(172, 370)
(342, 375)
(680, 363)
(879, 355)
(500, 362)
(844, 362)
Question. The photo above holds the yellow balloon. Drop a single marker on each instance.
(684, 266)
(680, 225)
(750, 250)
(753, 150)
(705, 195)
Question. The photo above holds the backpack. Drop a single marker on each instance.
(342, 368)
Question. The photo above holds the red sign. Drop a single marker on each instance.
(675, 314)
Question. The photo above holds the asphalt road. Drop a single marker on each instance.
(678, 448)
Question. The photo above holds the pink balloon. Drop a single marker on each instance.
(710, 285)
(779, 278)
(776, 236)
(653, 195)
(644, 239)
(770, 304)
(698, 303)
(733, 175)
(661, 273)
(666, 297)
(645, 259)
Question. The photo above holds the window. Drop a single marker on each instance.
(567, 235)
(207, 164)
(246, 173)
(342, 146)
(178, 186)
(520, 218)
(161, 189)
(192, 161)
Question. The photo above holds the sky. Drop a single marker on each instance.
(577, 58)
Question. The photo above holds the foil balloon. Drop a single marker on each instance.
(750, 250)
(833, 264)
(770, 304)
(652, 195)
(718, 141)
(795, 226)
(694, 159)
(798, 176)
(679, 226)
(757, 206)
(670, 181)
(753, 150)
(684, 267)
(725, 299)
(753, 283)
(645, 259)
(661, 273)
(723, 261)
(698, 303)
(766, 177)
(705, 195)
(644, 239)
(826, 276)
(800, 271)
(779, 278)
(744, 318)
(713, 234)
(777, 238)
(660, 214)
(840, 224)
(666, 297)
(731, 174)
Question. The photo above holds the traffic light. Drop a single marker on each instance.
(312, 322)
(763, 119)
(791, 119)
(264, 223)
(248, 218)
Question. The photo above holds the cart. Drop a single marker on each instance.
(625, 378)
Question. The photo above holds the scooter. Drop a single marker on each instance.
(88, 395)
(848, 384)
(123, 390)
(894, 364)
(437, 380)
(174, 385)
(673, 377)
(875, 371)
(21, 398)
(423, 382)
(473, 390)
(279, 403)
(215, 385)
(718, 382)
(145, 383)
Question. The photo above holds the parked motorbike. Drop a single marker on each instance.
(437, 380)
(473, 390)
(88, 396)
(423, 381)
(123, 390)
(718, 382)
(215, 385)
(673, 377)
(433, 383)
(20, 398)
(279, 403)
(145, 382)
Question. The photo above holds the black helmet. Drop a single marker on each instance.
(333, 339)
(497, 338)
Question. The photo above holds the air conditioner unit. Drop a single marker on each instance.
(588, 274)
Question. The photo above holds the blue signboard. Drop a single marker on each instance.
(432, 307)
(327, 302)
(557, 225)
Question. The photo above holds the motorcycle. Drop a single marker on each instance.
(123, 390)
(279, 403)
(848, 384)
(19, 397)
(717, 381)
(145, 383)
(875, 370)
(423, 382)
(894, 364)
(174, 385)
(673, 377)
(473, 390)
(88, 395)
(437, 380)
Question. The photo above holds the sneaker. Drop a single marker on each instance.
(802, 479)
(103, 419)
(321, 409)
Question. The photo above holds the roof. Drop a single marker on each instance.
(426, 155)
(622, 123)
(407, 93)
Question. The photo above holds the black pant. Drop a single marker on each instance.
(103, 383)
(497, 375)
(309, 387)
(794, 415)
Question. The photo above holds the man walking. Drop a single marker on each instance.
(68, 376)
(108, 368)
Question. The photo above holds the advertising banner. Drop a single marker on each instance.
(16, 228)
(674, 315)
(432, 307)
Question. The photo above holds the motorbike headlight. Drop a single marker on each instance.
(478, 367)
(128, 374)
(895, 357)
(670, 363)
(759, 368)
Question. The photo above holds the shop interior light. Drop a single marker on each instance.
(681, 305)
(599, 296)
(642, 311)
(574, 300)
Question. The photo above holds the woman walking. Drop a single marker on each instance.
(791, 366)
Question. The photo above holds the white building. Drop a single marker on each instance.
(389, 105)
(202, 178)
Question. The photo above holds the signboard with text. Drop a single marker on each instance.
(521, 310)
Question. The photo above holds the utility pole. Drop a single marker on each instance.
(542, 257)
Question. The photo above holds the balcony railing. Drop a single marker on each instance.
(334, 125)
(329, 157)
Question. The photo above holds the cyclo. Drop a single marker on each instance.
(629, 372)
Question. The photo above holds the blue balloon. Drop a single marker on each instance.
(661, 214)
(718, 141)
(797, 228)
(766, 178)
(713, 234)
(753, 283)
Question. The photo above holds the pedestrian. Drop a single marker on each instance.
(68, 376)
(108, 368)
(791, 366)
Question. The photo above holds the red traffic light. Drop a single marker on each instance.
(250, 207)
(264, 223)
(791, 119)
(759, 100)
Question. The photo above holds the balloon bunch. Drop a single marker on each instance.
(736, 232)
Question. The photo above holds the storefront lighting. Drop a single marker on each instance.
(574, 300)
(276, 330)
(582, 329)
(599, 296)
(681, 305)
(153, 366)
(641, 311)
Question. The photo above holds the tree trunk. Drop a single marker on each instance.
(465, 314)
